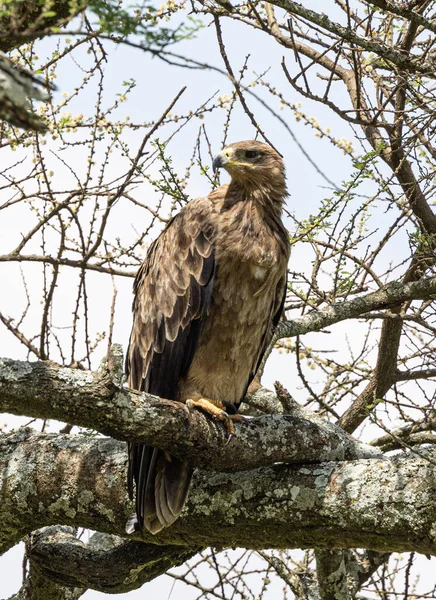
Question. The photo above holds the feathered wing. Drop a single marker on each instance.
(172, 293)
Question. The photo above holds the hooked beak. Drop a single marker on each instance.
(221, 160)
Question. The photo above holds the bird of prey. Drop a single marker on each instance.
(207, 299)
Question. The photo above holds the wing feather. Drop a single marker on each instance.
(172, 295)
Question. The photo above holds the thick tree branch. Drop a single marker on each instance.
(384, 505)
(24, 21)
(17, 86)
(412, 190)
(331, 572)
(361, 566)
(95, 400)
(414, 375)
(107, 563)
(40, 586)
(383, 378)
(301, 581)
(341, 573)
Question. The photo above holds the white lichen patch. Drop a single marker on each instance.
(62, 505)
(75, 378)
(122, 400)
(13, 370)
(19, 475)
(280, 493)
(85, 497)
(321, 481)
(48, 465)
(303, 497)
(295, 490)
(264, 437)
(106, 512)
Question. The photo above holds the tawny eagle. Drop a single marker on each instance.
(207, 298)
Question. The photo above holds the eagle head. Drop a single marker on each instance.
(250, 160)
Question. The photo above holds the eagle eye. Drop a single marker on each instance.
(251, 153)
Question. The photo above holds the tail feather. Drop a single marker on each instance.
(162, 484)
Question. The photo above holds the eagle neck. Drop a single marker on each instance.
(269, 198)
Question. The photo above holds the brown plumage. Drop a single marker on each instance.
(207, 299)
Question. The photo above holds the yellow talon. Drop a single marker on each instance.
(215, 408)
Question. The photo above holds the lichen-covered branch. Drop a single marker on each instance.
(17, 86)
(106, 563)
(24, 21)
(341, 573)
(331, 571)
(302, 582)
(402, 10)
(40, 586)
(389, 53)
(383, 504)
(361, 565)
(95, 400)
(390, 295)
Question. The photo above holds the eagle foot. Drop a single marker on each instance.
(216, 409)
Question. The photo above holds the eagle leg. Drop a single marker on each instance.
(216, 409)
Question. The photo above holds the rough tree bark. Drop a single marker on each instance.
(381, 504)
(96, 400)
(340, 494)
(26, 21)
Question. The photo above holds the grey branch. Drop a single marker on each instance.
(402, 10)
(411, 434)
(40, 586)
(301, 581)
(361, 565)
(17, 85)
(401, 60)
(331, 571)
(96, 401)
(106, 563)
(391, 294)
(384, 505)
(341, 573)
